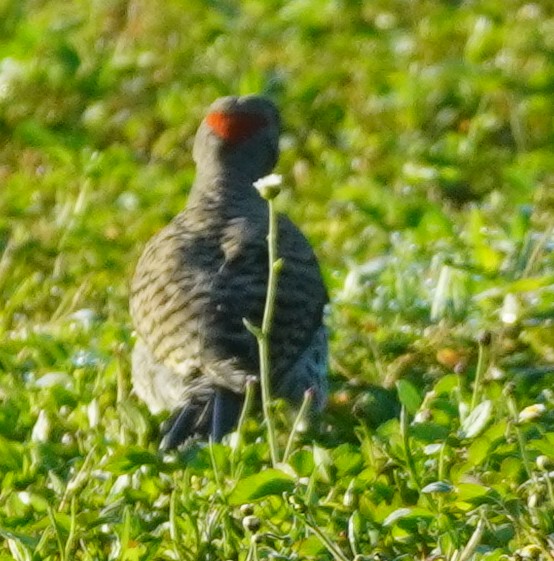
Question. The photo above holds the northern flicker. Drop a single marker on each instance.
(207, 270)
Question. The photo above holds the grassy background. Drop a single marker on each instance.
(418, 158)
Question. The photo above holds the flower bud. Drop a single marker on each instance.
(246, 509)
(251, 523)
(269, 186)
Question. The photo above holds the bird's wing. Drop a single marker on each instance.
(190, 298)
(239, 291)
(170, 294)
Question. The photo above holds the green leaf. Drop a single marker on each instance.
(129, 459)
(407, 515)
(438, 487)
(302, 461)
(446, 384)
(25, 540)
(11, 454)
(477, 420)
(471, 491)
(544, 447)
(311, 547)
(478, 451)
(347, 459)
(429, 432)
(260, 485)
(132, 417)
(409, 396)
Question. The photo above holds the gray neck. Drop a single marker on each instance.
(215, 187)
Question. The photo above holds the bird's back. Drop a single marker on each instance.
(193, 287)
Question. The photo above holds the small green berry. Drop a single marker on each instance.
(251, 523)
(247, 509)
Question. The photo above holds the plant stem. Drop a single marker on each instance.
(332, 548)
(404, 429)
(512, 408)
(246, 409)
(297, 421)
(473, 542)
(479, 371)
(264, 336)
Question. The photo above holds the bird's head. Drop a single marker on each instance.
(239, 134)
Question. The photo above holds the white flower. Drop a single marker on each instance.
(269, 186)
(11, 70)
(41, 430)
(93, 413)
(531, 412)
(509, 313)
(25, 497)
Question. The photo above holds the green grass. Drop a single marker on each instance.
(418, 157)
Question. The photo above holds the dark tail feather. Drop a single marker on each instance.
(222, 410)
(226, 412)
(192, 419)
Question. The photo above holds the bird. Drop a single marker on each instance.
(206, 272)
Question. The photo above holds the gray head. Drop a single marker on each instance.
(239, 134)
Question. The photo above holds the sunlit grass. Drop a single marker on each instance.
(416, 155)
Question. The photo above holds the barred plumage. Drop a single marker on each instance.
(207, 270)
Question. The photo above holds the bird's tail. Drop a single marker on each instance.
(215, 417)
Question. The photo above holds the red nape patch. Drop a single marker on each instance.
(235, 127)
